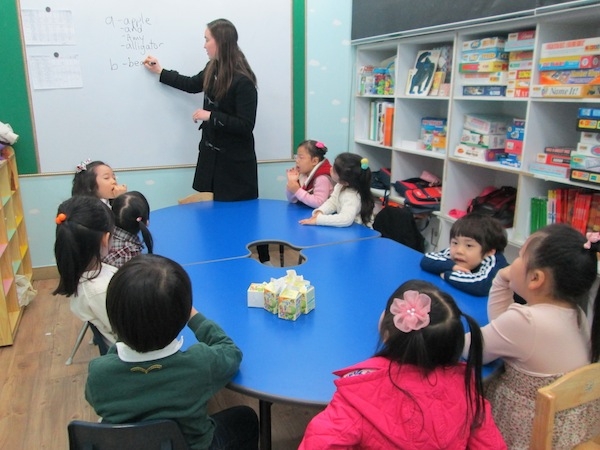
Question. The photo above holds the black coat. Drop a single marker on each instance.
(227, 159)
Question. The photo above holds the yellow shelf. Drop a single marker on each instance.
(14, 255)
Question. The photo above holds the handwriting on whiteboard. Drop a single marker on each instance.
(133, 35)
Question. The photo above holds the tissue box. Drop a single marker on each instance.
(256, 295)
(270, 298)
(289, 304)
(307, 299)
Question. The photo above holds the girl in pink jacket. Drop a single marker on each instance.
(414, 393)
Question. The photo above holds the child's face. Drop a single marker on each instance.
(106, 181)
(467, 252)
(304, 162)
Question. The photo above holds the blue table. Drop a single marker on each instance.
(353, 271)
(213, 231)
(293, 361)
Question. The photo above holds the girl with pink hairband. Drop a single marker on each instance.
(415, 392)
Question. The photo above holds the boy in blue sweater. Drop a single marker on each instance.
(474, 256)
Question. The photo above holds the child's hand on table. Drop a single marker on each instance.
(312, 220)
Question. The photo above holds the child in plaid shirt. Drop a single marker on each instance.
(132, 212)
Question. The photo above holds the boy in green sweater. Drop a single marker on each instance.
(146, 376)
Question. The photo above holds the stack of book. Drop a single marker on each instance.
(484, 67)
(585, 161)
(519, 46)
(577, 207)
(553, 162)
(483, 137)
(569, 69)
(381, 122)
(513, 146)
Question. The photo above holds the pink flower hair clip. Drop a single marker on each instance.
(592, 238)
(83, 165)
(411, 312)
(320, 145)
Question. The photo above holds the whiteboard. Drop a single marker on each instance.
(92, 97)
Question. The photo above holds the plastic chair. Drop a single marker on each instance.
(97, 340)
(80, 336)
(148, 435)
(197, 197)
(573, 389)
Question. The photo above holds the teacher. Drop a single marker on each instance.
(227, 159)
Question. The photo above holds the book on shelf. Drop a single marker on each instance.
(420, 77)
(388, 125)
(565, 90)
(578, 207)
(381, 121)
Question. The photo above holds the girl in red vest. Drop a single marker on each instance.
(309, 182)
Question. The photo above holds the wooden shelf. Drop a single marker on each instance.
(14, 247)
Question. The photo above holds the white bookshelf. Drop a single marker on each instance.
(549, 121)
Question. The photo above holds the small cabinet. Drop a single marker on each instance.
(15, 258)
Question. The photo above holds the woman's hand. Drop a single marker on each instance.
(152, 64)
(201, 114)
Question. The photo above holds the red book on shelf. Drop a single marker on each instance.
(581, 211)
(559, 206)
(388, 126)
(571, 193)
(593, 223)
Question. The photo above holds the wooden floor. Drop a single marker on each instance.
(39, 394)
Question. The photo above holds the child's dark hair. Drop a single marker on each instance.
(148, 302)
(559, 248)
(357, 176)
(84, 181)
(315, 149)
(438, 344)
(132, 213)
(487, 231)
(82, 222)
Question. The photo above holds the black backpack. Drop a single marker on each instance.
(399, 224)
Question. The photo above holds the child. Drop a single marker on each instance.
(83, 228)
(474, 256)
(309, 182)
(351, 200)
(96, 179)
(132, 213)
(545, 338)
(414, 393)
(147, 376)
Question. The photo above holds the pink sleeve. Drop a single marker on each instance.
(487, 435)
(510, 335)
(338, 426)
(321, 191)
(501, 297)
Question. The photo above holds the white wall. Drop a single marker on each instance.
(328, 78)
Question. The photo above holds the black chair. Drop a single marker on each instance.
(148, 435)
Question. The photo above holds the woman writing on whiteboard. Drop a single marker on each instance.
(227, 160)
